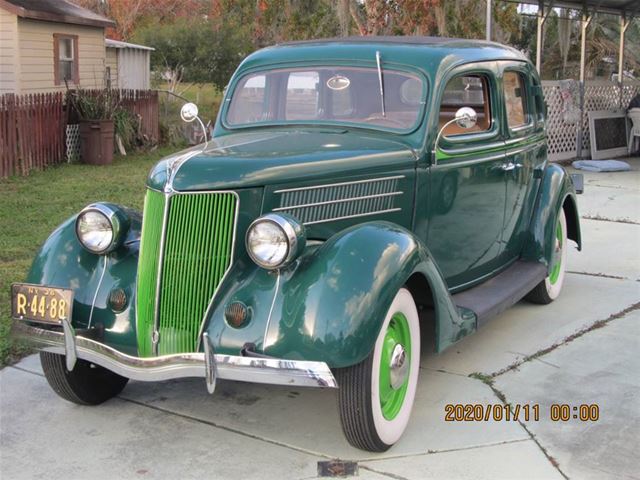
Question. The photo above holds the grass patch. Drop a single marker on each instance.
(32, 207)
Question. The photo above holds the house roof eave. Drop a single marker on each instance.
(55, 17)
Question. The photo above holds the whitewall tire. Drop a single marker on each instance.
(549, 289)
(377, 395)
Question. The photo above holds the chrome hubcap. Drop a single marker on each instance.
(398, 367)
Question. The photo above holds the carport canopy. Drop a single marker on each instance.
(625, 9)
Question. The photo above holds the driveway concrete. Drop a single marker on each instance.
(530, 355)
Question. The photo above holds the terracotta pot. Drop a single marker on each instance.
(96, 141)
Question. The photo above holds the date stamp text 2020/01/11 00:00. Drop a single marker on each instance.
(558, 412)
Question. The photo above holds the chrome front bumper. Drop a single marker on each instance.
(208, 365)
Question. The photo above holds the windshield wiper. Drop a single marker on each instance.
(380, 82)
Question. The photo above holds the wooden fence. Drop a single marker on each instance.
(31, 132)
(143, 103)
(33, 127)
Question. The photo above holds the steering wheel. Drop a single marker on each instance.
(378, 116)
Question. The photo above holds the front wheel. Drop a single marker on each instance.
(86, 384)
(376, 396)
(549, 288)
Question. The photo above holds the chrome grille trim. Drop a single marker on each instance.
(168, 194)
(155, 339)
(340, 201)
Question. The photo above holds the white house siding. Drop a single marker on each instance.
(36, 55)
(9, 67)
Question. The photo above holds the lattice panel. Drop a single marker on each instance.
(561, 135)
(562, 131)
(73, 143)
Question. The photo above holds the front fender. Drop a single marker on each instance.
(331, 304)
(63, 262)
(556, 192)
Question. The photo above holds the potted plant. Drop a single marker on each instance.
(96, 110)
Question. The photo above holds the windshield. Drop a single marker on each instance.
(327, 95)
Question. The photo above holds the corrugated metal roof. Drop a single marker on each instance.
(118, 44)
(55, 11)
(629, 7)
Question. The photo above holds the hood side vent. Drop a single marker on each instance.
(338, 201)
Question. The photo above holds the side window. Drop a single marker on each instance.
(466, 91)
(515, 99)
(302, 96)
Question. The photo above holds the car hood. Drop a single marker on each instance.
(253, 159)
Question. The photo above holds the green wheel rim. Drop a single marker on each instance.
(557, 259)
(391, 399)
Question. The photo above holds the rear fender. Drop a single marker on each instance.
(556, 193)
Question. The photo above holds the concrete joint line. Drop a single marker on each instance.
(15, 367)
(227, 429)
(383, 473)
(446, 450)
(502, 397)
(595, 325)
(601, 275)
(605, 219)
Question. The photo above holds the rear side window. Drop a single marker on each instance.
(515, 99)
(466, 91)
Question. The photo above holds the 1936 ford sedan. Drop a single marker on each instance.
(355, 192)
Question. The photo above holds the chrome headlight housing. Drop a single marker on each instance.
(102, 227)
(275, 240)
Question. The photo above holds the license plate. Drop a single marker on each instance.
(39, 303)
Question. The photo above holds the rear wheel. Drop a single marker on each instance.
(376, 396)
(86, 384)
(549, 289)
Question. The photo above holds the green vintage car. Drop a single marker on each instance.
(355, 193)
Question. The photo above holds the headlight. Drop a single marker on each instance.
(274, 240)
(101, 227)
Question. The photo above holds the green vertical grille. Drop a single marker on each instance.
(198, 244)
(197, 253)
(148, 269)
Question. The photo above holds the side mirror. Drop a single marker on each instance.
(465, 117)
(189, 112)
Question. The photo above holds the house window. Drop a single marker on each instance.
(65, 52)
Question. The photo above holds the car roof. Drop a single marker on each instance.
(428, 53)
(396, 39)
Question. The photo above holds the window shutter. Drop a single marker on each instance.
(56, 60)
(76, 61)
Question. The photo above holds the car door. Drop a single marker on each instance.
(467, 187)
(525, 151)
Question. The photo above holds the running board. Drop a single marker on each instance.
(502, 291)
